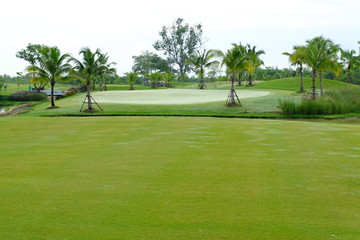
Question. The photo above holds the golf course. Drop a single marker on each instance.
(167, 177)
(188, 143)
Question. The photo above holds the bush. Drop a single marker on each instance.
(25, 96)
(71, 91)
(287, 106)
(4, 98)
(345, 100)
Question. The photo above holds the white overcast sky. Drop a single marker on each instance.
(125, 28)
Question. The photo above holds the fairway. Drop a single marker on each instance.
(178, 178)
(171, 96)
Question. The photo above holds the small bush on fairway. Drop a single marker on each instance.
(25, 96)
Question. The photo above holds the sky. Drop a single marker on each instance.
(126, 28)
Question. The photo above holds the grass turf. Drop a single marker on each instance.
(71, 106)
(178, 178)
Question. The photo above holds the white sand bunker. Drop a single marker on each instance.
(171, 96)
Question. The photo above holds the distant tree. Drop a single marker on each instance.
(131, 79)
(297, 58)
(214, 71)
(32, 55)
(149, 62)
(19, 79)
(201, 61)
(89, 67)
(321, 55)
(236, 60)
(350, 62)
(106, 69)
(155, 78)
(254, 61)
(53, 66)
(169, 79)
(178, 42)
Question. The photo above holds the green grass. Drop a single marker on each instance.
(178, 178)
(293, 84)
(114, 87)
(264, 105)
(13, 87)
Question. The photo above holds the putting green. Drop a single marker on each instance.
(171, 96)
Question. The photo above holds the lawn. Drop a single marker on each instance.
(178, 178)
(258, 105)
(293, 84)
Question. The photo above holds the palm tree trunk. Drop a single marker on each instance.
(250, 80)
(349, 74)
(101, 83)
(313, 87)
(88, 95)
(320, 83)
(201, 83)
(239, 81)
(52, 93)
(301, 79)
(232, 94)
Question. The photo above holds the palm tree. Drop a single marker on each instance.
(169, 79)
(350, 62)
(297, 58)
(132, 79)
(52, 67)
(254, 61)
(106, 69)
(155, 78)
(321, 55)
(90, 67)
(200, 61)
(235, 60)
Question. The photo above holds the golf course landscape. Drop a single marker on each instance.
(191, 143)
(141, 171)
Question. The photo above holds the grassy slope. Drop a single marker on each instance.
(178, 178)
(293, 84)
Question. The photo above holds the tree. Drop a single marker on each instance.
(350, 62)
(254, 61)
(297, 58)
(236, 60)
(105, 69)
(169, 79)
(321, 55)
(89, 67)
(53, 66)
(201, 61)
(132, 79)
(31, 54)
(155, 78)
(178, 42)
(148, 62)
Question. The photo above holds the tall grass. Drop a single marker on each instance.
(340, 101)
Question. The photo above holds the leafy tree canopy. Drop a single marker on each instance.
(178, 42)
(31, 53)
(148, 62)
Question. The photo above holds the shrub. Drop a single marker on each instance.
(287, 106)
(25, 96)
(345, 100)
(71, 91)
(4, 98)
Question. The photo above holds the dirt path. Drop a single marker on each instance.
(171, 96)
